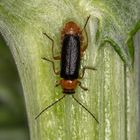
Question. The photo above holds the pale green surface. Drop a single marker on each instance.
(111, 95)
(137, 58)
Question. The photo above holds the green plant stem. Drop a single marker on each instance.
(111, 95)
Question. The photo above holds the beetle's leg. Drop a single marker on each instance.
(57, 84)
(84, 88)
(85, 46)
(86, 23)
(84, 29)
(56, 72)
(84, 69)
(54, 57)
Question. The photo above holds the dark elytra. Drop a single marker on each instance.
(70, 57)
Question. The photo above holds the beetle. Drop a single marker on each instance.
(71, 54)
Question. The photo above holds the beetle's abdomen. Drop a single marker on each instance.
(70, 57)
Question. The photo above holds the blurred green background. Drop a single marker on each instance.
(13, 121)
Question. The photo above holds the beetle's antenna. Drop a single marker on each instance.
(85, 109)
(86, 23)
(50, 106)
